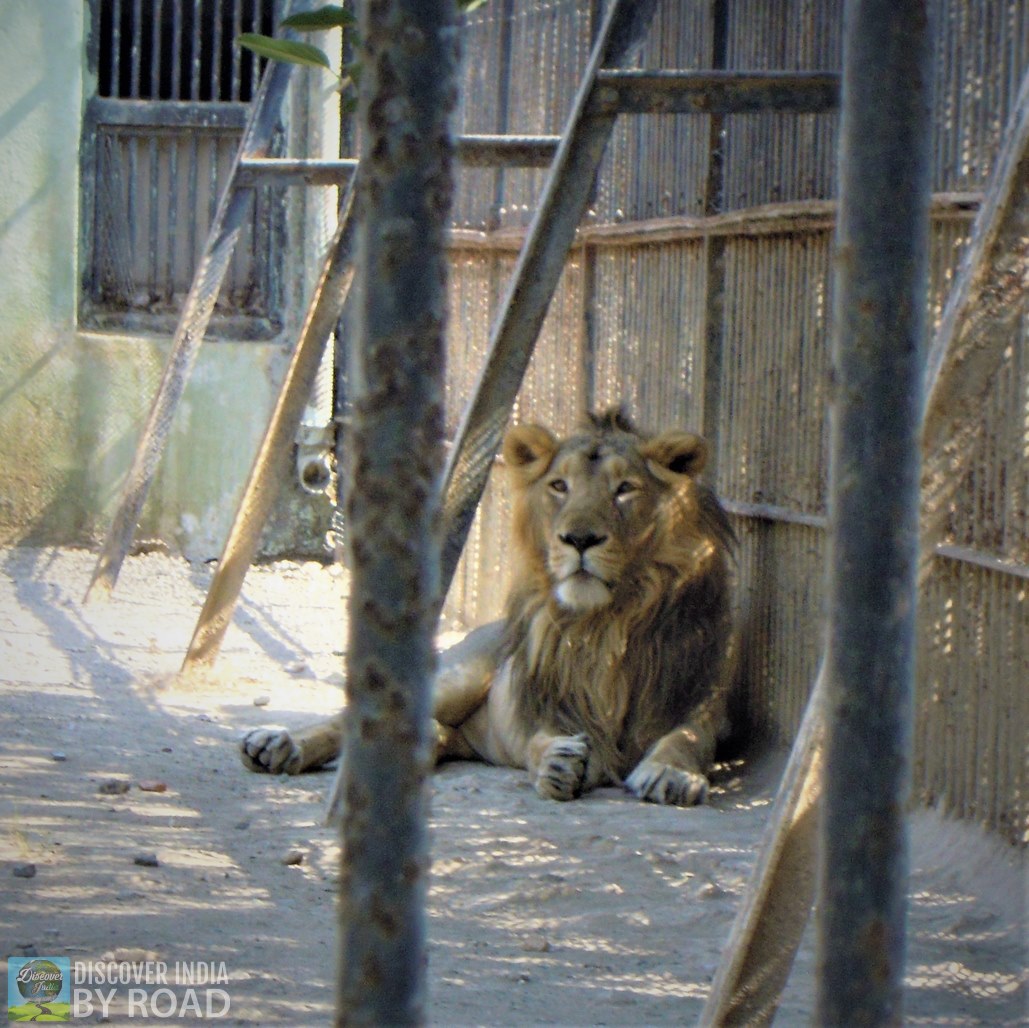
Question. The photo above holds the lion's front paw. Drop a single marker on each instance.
(659, 783)
(271, 750)
(562, 769)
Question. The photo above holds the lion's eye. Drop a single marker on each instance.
(558, 485)
(626, 489)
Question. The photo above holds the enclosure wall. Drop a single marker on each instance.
(687, 211)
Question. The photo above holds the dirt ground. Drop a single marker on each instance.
(604, 911)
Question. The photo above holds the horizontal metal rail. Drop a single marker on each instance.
(169, 114)
(480, 151)
(717, 92)
(771, 512)
(962, 554)
(286, 171)
(789, 218)
(476, 151)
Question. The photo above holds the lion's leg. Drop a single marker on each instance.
(451, 743)
(559, 765)
(460, 687)
(674, 770)
(465, 674)
(277, 751)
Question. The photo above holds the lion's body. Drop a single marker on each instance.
(613, 662)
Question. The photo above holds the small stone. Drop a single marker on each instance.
(167, 749)
(146, 860)
(113, 787)
(536, 944)
(293, 857)
(296, 667)
(712, 890)
(243, 825)
(59, 756)
(24, 870)
(153, 786)
(262, 701)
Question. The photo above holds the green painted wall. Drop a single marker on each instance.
(72, 405)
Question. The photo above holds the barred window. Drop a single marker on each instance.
(159, 139)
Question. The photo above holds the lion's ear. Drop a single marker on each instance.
(528, 451)
(678, 453)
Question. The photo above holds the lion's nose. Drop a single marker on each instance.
(582, 541)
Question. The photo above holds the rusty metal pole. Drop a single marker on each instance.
(882, 274)
(408, 89)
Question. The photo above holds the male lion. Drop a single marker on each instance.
(612, 664)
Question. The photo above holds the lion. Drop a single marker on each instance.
(613, 663)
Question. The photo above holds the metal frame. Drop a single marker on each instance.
(877, 355)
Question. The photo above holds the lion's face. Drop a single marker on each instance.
(588, 506)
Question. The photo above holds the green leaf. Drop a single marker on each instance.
(284, 50)
(331, 16)
(470, 5)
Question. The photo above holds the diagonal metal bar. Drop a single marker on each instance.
(189, 334)
(273, 461)
(540, 263)
(987, 296)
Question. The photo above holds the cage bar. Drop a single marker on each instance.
(877, 353)
(408, 88)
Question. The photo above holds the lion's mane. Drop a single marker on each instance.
(633, 670)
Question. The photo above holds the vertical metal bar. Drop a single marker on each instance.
(137, 48)
(155, 49)
(115, 88)
(237, 52)
(176, 56)
(197, 45)
(193, 182)
(172, 239)
(877, 354)
(505, 15)
(714, 202)
(217, 12)
(408, 89)
(154, 182)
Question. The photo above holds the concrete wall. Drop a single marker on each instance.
(72, 404)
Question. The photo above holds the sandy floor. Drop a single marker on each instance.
(604, 911)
